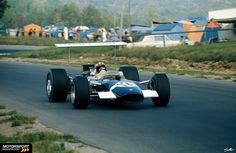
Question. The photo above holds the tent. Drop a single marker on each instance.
(58, 31)
(193, 36)
(170, 28)
(87, 35)
(81, 28)
(193, 19)
(211, 33)
(193, 24)
(32, 30)
(140, 29)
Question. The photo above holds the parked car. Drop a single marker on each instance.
(154, 41)
(88, 34)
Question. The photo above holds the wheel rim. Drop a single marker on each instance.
(72, 94)
(49, 87)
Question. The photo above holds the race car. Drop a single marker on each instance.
(122, 86)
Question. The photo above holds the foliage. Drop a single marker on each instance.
(2, 107)
(71, 15)
(42, 141)
(42, 136)
(47, 12)
(32, 41)
(92, 16)
(212, 52)
(3, 6)
(18, 119)
(52, 12)
(27, 12)
(3, 139)
(198, 53)
(152, 14)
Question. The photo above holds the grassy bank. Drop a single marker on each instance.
(17, 128)
(212, 52)
(31, 41)
(62, 53)
(218, 59)
(201, 53)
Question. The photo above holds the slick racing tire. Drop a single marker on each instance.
(130, 72)
(80, 93)
(160, 83)
(57, 85)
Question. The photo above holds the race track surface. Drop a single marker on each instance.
(201, 116)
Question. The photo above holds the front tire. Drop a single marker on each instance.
(80, 93)
(57, 85)
(160, 83)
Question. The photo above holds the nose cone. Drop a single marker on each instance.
(129, 94)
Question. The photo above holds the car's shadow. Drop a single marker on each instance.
(109, 105)
(113, 106)
(95, 105)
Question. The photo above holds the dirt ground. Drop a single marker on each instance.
(214, 70)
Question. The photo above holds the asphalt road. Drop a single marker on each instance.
(201, 116)
(8, 49)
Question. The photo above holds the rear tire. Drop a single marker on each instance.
(160, 83)
(130, 72)
(80, 93)
(57, 85)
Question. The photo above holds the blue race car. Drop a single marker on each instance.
(123, 86)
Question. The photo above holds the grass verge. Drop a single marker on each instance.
(201, 53)
(214, 52)
(43, 139)
(31, 41)
(216, 60)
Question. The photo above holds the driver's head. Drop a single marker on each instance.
(100, 66)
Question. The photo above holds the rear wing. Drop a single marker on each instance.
(70, 45)
(73, 45)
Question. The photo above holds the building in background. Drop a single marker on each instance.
(32, 30)
(193, 24)
(171, 28)
(211, 33)
(140, 29)
(228, 19)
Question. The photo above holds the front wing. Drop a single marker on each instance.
(111, 95)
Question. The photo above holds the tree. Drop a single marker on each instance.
(51, 12)
(92, 16)
(17, 14)
(151, 14)
(53, 8)
(71, 15)
(3, 6)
